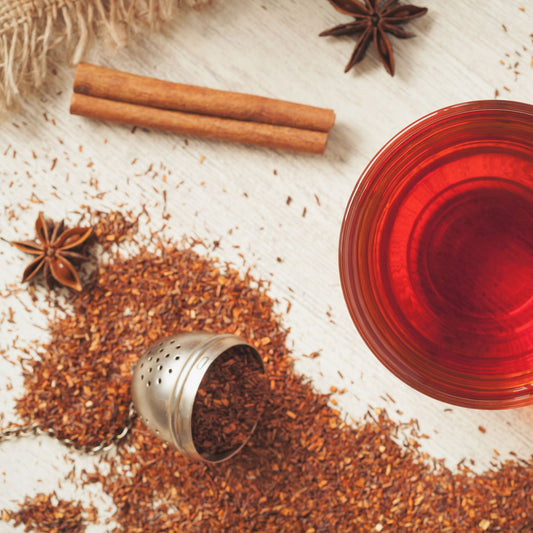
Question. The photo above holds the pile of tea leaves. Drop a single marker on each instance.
(305, 468)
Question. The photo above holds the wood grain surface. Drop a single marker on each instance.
(238, 195)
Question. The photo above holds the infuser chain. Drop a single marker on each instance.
(16, 432)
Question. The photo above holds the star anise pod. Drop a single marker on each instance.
(55, 248)
(373, 20)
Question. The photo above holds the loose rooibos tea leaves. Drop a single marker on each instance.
(228, 403)
(47, 513)
(305, 468)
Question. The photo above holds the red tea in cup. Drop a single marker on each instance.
(436, 255)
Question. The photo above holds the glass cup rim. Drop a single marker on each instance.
(395, 145)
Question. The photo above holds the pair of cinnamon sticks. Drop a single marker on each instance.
(108, 94)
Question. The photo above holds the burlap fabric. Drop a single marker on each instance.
(32, 29)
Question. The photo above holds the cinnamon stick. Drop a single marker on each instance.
(259, 134)
(103, 82)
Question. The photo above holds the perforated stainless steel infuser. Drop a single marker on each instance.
(166, 380)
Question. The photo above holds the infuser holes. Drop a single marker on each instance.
(150, 369)
(148, 383)
(149, 358)
(167, 355)
(176, 358)
(142, 377)
(160, 367)
(157, 360)
(170, 370)
(159, 381)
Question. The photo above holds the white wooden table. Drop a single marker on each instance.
(237, 195)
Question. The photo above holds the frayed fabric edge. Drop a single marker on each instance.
(67, 29)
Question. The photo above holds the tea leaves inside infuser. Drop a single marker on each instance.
(228, 404)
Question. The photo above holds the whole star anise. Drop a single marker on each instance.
(55, 251)
(373, 20)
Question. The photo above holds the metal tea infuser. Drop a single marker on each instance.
(166, 380)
